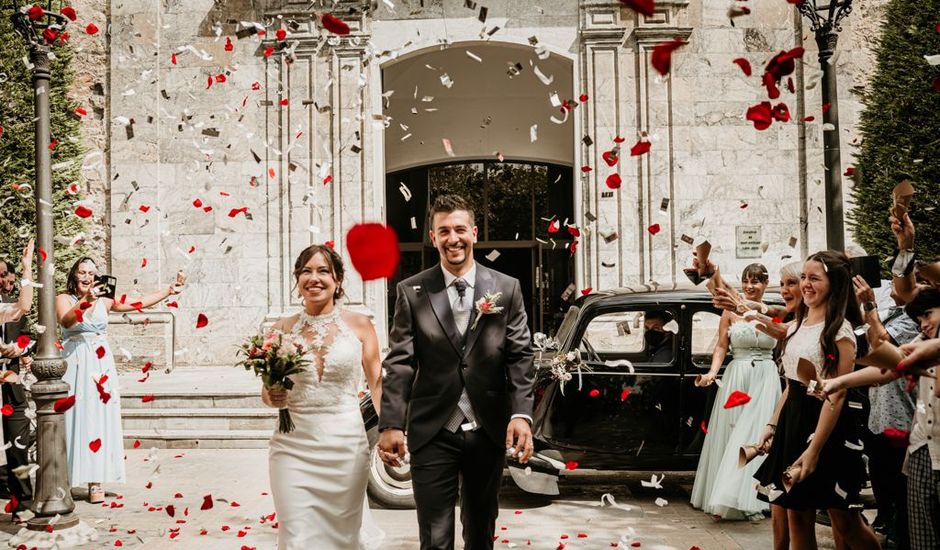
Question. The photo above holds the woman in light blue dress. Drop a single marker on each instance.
(722, 488)
(93, 435)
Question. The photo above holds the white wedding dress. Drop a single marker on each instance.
(319, 470)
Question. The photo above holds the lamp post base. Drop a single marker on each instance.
(67, 532)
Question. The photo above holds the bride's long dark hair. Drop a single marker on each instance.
(841, 305)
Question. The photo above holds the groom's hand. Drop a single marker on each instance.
(392, 446)
(519, 439)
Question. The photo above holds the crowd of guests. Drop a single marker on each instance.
(819, 425)
(94, 439)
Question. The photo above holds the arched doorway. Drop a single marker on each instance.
(477, 119)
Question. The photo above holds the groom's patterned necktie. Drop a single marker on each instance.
(461, 309)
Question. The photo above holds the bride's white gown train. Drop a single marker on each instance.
(319, 471)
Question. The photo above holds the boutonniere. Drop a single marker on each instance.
(487, 306)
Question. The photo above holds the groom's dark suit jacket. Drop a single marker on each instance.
(429, 362)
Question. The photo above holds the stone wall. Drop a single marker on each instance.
(197, 131)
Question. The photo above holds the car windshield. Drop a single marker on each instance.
(567, 325)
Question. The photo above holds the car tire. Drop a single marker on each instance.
(388, 487)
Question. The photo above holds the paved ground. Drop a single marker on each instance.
(238, 481)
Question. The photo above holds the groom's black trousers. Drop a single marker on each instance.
(466, 462)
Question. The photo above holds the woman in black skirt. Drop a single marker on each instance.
(815, 459)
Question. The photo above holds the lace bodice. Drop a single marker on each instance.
(749, 343)
(805, 343)
(333, 378)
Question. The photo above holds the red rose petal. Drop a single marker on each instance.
(91, 29)
(571, 465)
(654, 229)
(586, 291)
(554, 226)
(83, 211)
(736, 399)
(12, 504)
(100, 352)
(95, 445)
(661, 57)
(781, 113)
(640, 148)
(170, 510)
(582, 98)
(6, 410)
(624, 394)
(373, 250)
(64, 404)
(573, 231)
(849, 171)
(703, 427)
(236, 211)
(147, 398)
(136, 443)
(201, 320)
(206, 502)
(614, 181)
(35, 13)
(744, 64)
(594, 392)
(610, 158)
(761, 115)
(334, 25)
(228, 44)
(22, 341)
(644, 7)
(280, 34)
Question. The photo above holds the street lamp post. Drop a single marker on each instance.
(52, 501)
(825, 18)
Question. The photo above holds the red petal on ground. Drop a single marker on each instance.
(614, 181)
(64, 404)
(95, 445)
(334, 25)
(736, 399)
(228, 44)
(640, 148)
(206, 502)
(171, 510)
(373, 250)
(654, 229)
(661, 57)
(644, 7)
(236, 211)
(91, 28)
(744, 64)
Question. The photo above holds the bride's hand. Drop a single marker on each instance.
(274, 398)
(392, 447)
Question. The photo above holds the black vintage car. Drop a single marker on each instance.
(630, 403)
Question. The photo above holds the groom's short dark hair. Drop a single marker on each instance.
(447, 204)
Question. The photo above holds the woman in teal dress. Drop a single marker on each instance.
(721, 488)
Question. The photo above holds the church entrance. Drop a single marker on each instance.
(514, 204)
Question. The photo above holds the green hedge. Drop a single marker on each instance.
(18, 210)
(901, 130)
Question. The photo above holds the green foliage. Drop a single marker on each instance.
(18, 207)
(901, 130)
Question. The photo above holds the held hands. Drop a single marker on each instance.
(392, 447)
(519, 439)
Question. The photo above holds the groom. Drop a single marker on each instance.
(460, 381)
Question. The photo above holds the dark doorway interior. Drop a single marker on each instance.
(514, 204)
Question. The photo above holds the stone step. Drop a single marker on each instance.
(199, 419)
(198, 439)
(190, 400)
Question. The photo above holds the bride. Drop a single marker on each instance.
(319, 471)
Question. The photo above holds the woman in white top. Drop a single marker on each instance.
(815, 459)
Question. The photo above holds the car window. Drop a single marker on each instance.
(704, 337)
(638, 336)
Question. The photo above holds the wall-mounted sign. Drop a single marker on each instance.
(747, 241)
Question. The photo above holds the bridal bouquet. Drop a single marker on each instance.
(274, 356)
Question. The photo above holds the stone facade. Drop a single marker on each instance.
(194, 124)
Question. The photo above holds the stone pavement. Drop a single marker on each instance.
(237, 479)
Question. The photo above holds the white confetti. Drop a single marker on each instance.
(654, 482)
(533, 133)
(492, 255)
(474, 56)
(660, 501)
